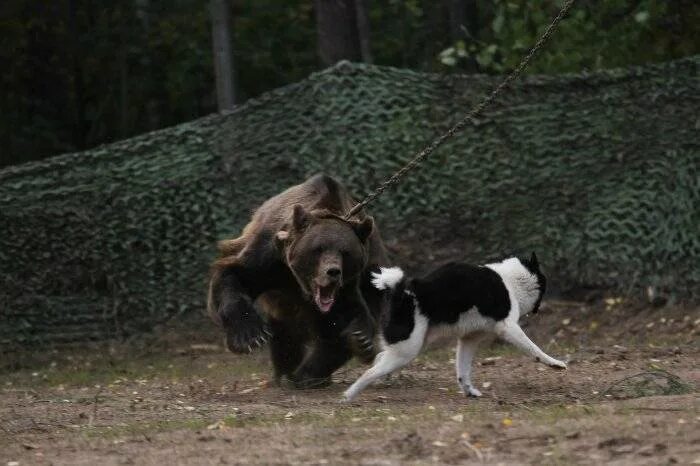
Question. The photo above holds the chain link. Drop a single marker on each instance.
(476, 111)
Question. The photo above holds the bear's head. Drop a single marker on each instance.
(324, 252)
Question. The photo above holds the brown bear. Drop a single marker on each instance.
(299, 275)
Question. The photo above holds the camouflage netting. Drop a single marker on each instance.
(597, 172)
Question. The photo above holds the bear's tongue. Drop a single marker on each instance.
(325, 297)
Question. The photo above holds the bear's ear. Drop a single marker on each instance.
(300, 217)
(280, 239)
(364, 228)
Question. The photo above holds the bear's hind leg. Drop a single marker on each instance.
(287, 348)
(326, 357)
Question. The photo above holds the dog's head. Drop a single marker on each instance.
(532, 265)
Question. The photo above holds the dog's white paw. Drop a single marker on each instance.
(470, 390)
(473, 392)
(558, 364)
(348, 397)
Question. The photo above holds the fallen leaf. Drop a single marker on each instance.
(490, 361)
(507, 422)
(438, 443)
(458, 418)
(205, 347)
(218, 425)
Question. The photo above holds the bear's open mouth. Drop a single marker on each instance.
(325, 296)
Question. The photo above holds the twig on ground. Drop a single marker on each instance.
(95, 401)
(644, 408)
(476, 451)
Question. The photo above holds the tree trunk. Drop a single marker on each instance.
(464, 26)
(363, 30)
(123, 75)
(223, 61)
(462, 15)
(336, 26)
(80, 123)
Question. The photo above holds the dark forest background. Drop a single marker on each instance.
(78, 73)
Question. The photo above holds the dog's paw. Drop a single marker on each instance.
(556, 364)
(348, 396)
(471, 391)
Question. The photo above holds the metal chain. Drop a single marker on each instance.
(476, 111)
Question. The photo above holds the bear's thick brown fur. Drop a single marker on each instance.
(299, 274)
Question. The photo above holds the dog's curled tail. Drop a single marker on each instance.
(387, 278)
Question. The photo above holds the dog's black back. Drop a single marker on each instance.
(454, 288)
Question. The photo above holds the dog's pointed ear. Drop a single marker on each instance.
(414, 285)
(533, 261)
(300, 217)
(364, 228)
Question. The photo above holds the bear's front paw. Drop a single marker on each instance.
(361, 338)
(245, 329)
(363, 346)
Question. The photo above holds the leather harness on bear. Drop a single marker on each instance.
(476, 111)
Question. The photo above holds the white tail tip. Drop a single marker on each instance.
(388, 277)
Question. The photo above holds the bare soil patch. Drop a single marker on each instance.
(630, 396)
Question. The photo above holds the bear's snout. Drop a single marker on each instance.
(330, 268)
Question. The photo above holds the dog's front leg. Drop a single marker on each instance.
(513, 334)
(466, 350)
(385, 363)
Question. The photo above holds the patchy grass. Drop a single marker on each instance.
(186, 400)
(144, 428)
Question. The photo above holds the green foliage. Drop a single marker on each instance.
(596, 35)
(99, 72)
(123, 68)
(597, 172)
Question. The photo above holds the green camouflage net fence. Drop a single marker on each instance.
(599, 172)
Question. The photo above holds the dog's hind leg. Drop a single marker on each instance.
(466, 350)
(513, 334)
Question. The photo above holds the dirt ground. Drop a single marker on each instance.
(630, 396)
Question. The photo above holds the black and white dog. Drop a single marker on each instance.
(470, 302)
